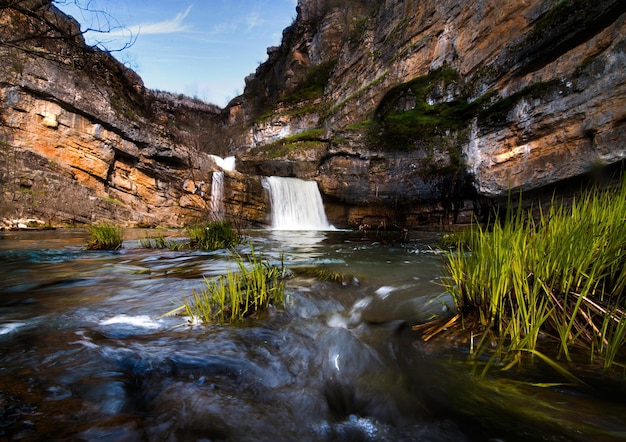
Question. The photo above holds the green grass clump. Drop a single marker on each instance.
(160, 242)
(324, 274)
(237, 295)
(552, 286)
(312, 84)
(104, 237)
(213, 235)
(308, 140)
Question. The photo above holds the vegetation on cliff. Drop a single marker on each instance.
(301, 142)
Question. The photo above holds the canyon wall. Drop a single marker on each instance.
(83, 141)
(425, 111)
(405, 112)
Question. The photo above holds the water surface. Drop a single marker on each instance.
(85, 353)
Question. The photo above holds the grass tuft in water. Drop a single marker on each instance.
(253, 289)
(324, 274)
(552, 286)
(160, 242)
(104, 237)
(209, 236)
(213, 235)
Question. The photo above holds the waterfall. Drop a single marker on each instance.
(217, 194)
(227, 163)
(217, 185)
(296, 204)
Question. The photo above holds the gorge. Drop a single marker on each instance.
(404, 113)
(372, 115)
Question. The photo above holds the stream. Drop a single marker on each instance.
(85, 353)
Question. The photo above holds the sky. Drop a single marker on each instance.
(200, 48)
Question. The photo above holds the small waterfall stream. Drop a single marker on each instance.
(217, 185)
(296, 204)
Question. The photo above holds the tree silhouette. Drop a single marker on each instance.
(38, 28)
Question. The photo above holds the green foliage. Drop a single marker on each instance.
(312, 84)
(257, 286)
(310, 139)
(324, 274)
(559, 281)
(458, 240)
(207, 236)
(213, 235)
(160, 242)
(496, 113)
(358, 126)
(112, 201)
(104, 237)
(400, 129)
(310, 135)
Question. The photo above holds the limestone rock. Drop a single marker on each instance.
(405, 112)
(433, 108)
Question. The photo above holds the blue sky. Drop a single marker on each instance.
(201, 48)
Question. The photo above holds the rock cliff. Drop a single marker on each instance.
(82, 140)
(421, 109)
(405, 112)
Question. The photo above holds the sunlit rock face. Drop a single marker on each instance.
(406, 113)
(83, 141)
(430, 106)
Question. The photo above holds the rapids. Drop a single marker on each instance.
(85, 353)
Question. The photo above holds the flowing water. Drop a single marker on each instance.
(86, 355)
(296, 204)
(217, 194)
(217, 185)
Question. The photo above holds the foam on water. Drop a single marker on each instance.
(142, 321)
(10, 327)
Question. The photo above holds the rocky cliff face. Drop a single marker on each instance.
(427, 107)
(405, 112)
(82, 140)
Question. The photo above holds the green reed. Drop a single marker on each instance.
(104, 237)
(160, 242)
(253, 289)
(556, 281)
(208, 236)
(213, 235)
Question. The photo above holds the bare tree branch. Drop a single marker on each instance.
(40, 28)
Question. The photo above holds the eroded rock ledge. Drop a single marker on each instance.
(406, 113)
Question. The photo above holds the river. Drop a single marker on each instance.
(85, 353)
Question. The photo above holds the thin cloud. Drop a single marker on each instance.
(253, 20)
(171, 26)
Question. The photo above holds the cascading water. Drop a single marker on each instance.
(217, 194)
(227, 163)
(296, 204)
(217, 185)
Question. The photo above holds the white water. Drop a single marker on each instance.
(217, 194)
(296, 204)
(217, 184)
(227, 163)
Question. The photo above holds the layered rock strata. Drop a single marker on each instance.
(83, 141)
(406, 113)
(432, 106)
